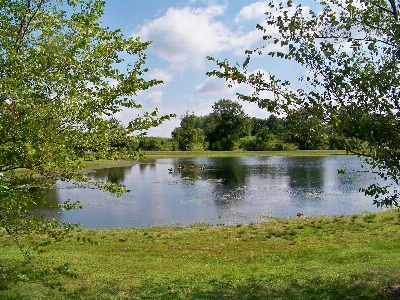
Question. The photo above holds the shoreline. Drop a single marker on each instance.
(150, 156)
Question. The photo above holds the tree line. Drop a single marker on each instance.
(229, 128)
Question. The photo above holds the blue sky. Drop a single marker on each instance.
(184, 32)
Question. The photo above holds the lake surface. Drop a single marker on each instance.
(228, 191)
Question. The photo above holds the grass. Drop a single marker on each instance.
(104, 163)
(151, 155)
(339, 257)
(160, 154)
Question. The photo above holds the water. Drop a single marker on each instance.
(229, 191)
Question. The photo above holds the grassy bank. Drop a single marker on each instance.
(104, 163)
(152, 155)
(342, 257)
(160, 154)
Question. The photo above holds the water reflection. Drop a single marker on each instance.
(229, 190)
(47, 202)
(113, 175)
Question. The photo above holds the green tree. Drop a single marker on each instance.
(61, 84)
(351, 52)
(275, 124)
(149, 143)
(261, 136)
(188, 134)
(227, 124)
(306, 130)
(257, 124)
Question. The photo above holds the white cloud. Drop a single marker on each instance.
(154, 97)
(251, 41)
(265, 75)
(184, 37)
(215, 85)
(212, 86)
(253, 11)
(252, 110)
(160, 75)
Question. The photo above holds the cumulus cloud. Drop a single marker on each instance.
(154, 97)
(185, 36)
(253, 11)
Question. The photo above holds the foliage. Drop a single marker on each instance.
(306, 130)
(298, 130)
(265, 143)
(148, 143)
(227, 124)
(61, 85)
(270, 134)
(274, 124)
(187, 135)
(351, 52)
(142, 142)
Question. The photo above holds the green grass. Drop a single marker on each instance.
(152, 155)
(104, 163)
(159, 154)
(340, 257)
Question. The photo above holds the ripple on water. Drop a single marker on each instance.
(230, 190)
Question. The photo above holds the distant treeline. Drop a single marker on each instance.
(229, 128)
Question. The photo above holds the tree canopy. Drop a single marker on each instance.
(228, 122)
(63, 78)
(187, 134)
(299, 129)
(351, 52)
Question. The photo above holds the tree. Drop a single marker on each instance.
(306, 130)
(351, 51)
(275, 124)
(61, 84)
(257, 124)
(188, 133)
(227, 124)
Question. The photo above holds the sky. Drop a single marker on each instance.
(183, 33)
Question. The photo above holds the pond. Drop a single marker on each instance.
(227, 191)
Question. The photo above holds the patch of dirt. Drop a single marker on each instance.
(393, 292)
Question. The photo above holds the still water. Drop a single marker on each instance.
(228, 191)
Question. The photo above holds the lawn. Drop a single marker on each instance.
(339, 257)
